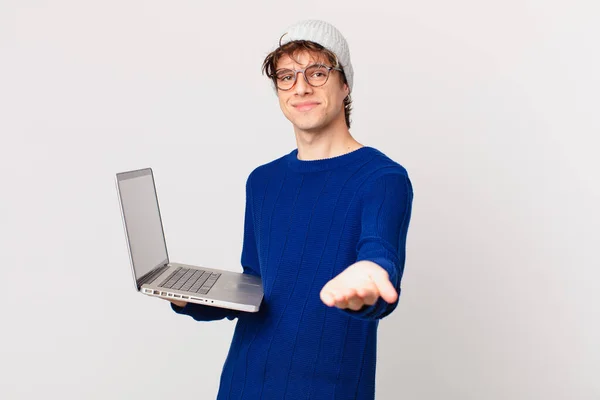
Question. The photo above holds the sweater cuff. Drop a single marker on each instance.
(177, 309)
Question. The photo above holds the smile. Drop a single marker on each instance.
(306, 106)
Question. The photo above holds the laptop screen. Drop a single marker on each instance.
(142, 221)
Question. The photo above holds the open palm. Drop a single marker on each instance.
(362, 283)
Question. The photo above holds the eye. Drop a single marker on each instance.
(284, 76)
(317, 71)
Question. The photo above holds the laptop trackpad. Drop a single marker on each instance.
(245, 287)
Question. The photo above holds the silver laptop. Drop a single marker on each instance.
(154, 274)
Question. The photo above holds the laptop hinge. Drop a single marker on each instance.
(152, 275)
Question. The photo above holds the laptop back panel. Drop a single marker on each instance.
(142, 221)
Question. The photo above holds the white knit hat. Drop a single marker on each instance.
(327, 36)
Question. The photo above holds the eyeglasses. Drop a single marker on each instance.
(315, 75)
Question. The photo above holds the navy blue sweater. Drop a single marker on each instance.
(305, 222)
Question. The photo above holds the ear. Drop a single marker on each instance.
(346, 89)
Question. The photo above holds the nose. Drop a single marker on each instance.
(301, 87)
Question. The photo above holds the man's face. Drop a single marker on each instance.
(312, 108)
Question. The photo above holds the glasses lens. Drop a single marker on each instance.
(285, 79)
(317, 75)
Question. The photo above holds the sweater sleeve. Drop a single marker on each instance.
(386, 206)
(250, 265)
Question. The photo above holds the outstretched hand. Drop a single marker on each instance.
(362, 283)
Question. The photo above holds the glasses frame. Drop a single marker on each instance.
(296, 71)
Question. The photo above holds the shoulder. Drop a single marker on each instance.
(264, 171)
(382, 169)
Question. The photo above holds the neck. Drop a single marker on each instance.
(331, 141)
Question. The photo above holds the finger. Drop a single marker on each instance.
(355, 303)
(327, 298)
(371, 298)
(341, 304)
(332, 297)
(352, 300)
(369, 293)
(178, 303)
(385, 287)
(341, 298)
(367, 286)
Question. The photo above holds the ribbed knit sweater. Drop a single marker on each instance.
(305, 222)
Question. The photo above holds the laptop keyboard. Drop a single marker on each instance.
(191, 280)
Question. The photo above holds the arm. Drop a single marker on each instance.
(386, 205)
(249, 261)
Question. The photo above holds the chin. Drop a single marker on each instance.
(308, 123)
(308, 126)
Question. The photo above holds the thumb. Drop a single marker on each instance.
(385, 287)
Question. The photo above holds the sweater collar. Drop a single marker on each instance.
(325, 164)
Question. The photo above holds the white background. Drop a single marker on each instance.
(492, 107)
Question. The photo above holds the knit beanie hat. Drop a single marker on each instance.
(327, 36)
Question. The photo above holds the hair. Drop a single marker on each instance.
(297, 46)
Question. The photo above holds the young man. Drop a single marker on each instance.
(325, 228)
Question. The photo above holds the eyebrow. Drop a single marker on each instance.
(308, 65)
